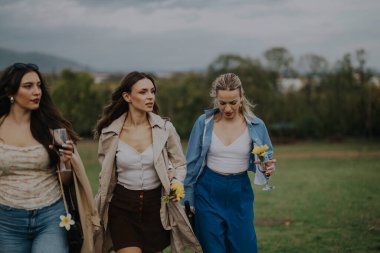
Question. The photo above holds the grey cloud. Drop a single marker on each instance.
(186, 38)
(160, 4)
(6, 2)
(165, 51)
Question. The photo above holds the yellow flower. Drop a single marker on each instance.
(260, 150)
(66, 221)
(177, 191)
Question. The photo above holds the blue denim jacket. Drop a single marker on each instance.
(199, 143)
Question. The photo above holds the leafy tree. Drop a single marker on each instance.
(336, 101)
(280, 60)
(183, 98)
(314, 65)
(79, 100)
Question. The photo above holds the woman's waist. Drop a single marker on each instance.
(24, 201)
(227, 173)
(227, 169)
(121, 190)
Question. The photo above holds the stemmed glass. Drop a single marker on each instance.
(266, 187)
(60, 137)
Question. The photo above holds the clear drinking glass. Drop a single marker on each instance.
(266, 187)
(60, 137)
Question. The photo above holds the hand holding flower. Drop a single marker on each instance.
(266, 165)
(176, 193)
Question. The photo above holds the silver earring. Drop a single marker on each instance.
(12, 100)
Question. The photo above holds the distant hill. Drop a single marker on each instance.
(46, 62)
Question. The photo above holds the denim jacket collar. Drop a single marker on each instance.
(250, 119)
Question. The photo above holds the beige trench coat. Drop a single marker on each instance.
(88, 214)
(166, 146)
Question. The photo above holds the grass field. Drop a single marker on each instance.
(327, 198)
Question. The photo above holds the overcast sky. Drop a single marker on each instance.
(166, 35)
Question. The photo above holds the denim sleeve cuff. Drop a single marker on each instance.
(189, 196)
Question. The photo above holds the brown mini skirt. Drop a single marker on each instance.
(134, 220)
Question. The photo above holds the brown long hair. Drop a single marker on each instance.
(43, 119)
(118, 105)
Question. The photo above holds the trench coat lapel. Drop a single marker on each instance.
(109, 140)
(159, 134)
(159, 138)
(111, 137)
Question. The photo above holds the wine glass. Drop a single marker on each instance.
(60, 137)
(262, 169)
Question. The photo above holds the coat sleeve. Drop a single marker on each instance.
(175, 154)
(101, 153)
(101, 156)
(193, 154)
(266, 140)
(88, 214)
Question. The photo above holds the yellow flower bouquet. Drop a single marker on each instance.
(262, 154)
(177, 192)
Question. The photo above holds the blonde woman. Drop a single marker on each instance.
(218, 157)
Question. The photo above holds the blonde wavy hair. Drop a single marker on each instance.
(230, 81)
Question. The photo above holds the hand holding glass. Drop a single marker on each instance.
(60, 137)
(264, 166)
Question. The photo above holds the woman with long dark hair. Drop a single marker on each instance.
(31, 200)
(136, 148)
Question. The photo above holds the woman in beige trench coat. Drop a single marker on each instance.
(130, 119)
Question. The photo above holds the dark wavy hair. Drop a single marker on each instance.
(118, 105)
(43, 119)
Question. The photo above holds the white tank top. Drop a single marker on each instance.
(230, 159)
(136, 170)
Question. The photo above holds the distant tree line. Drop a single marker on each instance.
(335, 101)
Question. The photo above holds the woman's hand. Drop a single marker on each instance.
(269, 165)
(65, 155)
(176, 192)
(174, 198)
(66, 152)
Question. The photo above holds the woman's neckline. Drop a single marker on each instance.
(21, 147)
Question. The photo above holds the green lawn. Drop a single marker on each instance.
(327, 198)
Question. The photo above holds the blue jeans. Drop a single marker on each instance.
(224, 213)
(33, 231)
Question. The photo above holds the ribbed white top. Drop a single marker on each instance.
(26, 179)
(136, 170)
(232, 158)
